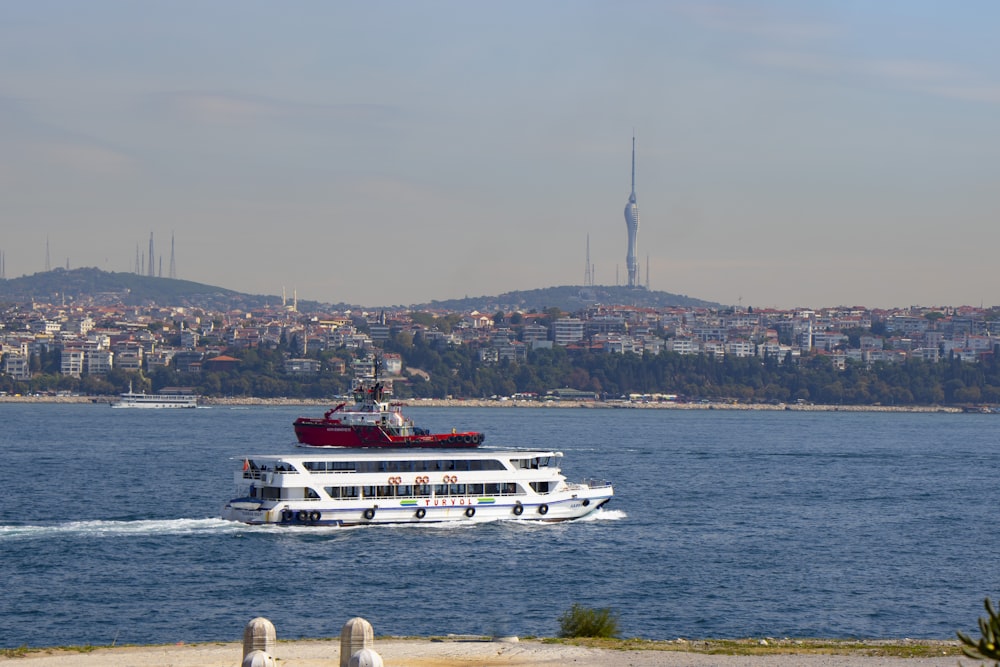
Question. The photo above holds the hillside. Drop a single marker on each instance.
(568, 298)
(103, 287)
(93, 285)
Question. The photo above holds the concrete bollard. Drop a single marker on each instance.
(366, 657)
(356, 634)
(258, 635)
(258, 659)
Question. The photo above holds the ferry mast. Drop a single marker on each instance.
(632, 224)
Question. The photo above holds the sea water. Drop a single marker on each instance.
(724, 524)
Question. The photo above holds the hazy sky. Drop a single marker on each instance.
(789, 153)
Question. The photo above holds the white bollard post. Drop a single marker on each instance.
(258, 659)
(356, 634)
(366, 657)
(259, 635)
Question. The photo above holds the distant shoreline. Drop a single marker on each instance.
(488, 403)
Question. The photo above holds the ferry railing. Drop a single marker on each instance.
(266, 475)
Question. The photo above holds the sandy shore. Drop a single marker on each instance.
(466, 653)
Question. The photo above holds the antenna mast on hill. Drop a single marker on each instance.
(48, 266)
(152, 270)
(173, 267)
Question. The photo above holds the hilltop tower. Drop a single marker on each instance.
(152, 271)
(173, 266)
(632, 223)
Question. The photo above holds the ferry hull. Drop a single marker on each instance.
(561, 507)
(319, 432)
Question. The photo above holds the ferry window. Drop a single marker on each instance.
(509, 488)
(310, 494)
(342, 491)
(404, 490)
(474, 489)
(540, 487)
(440, 489)
(491, 489)
(270, 493)
(485, 464)
(342, 466)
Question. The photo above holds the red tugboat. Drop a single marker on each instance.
(372, 421)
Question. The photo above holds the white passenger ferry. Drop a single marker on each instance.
(410, 486)
(132, 399)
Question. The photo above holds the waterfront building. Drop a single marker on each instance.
(567, 330)
(71, 361)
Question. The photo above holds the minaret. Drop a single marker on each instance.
(632, 223)
(588, 275)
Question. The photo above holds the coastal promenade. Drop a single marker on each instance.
(547, 405)
(397, 652)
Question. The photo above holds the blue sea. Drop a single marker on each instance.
(725, 524)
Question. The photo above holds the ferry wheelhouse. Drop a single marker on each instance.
(410, 486)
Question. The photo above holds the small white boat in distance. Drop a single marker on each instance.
(131, 399)
(360, 487)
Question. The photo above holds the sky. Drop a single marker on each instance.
(789, 154)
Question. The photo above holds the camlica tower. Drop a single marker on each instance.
(632, 223)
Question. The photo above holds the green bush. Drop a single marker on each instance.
(582, 621)
(988, 647)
